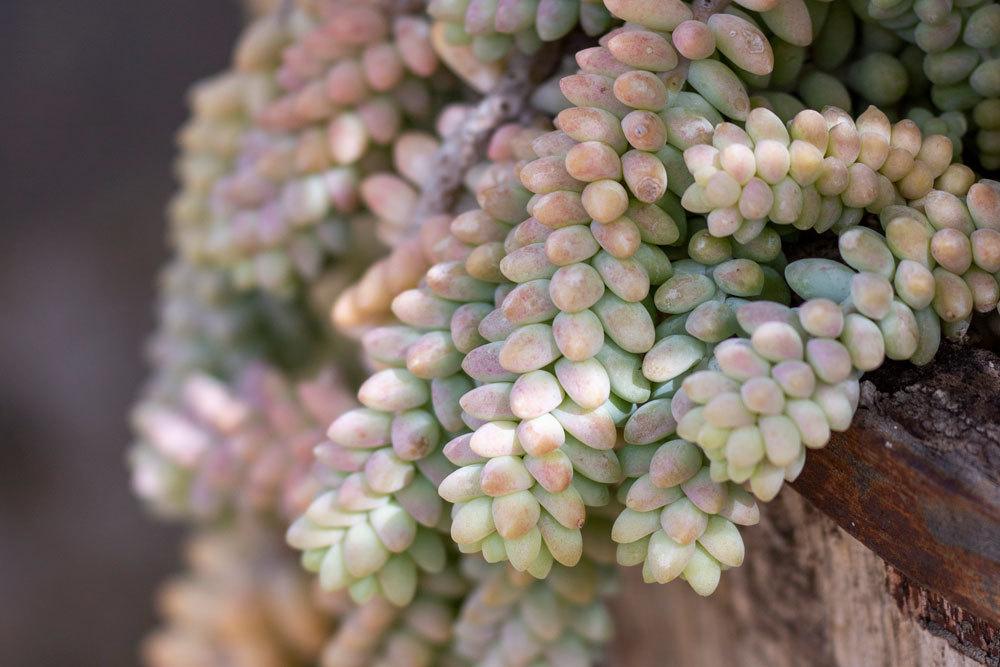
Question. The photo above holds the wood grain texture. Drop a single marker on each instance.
(808, 594)
(917, 478)
(917, 481)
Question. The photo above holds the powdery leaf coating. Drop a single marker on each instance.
(721, 87)
(560, 403)
(643, 50)
(658, 15)
(742, 42)
(819, 278)
(789, 20)
(529, 348)
(671, 356)
(694, 40)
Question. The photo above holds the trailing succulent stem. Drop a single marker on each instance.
(581, 340)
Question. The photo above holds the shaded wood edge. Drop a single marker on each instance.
(917, 480)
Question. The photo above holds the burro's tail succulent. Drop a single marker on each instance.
(242, 601)
(489, 29)
(601, 331)
(216, 451)
(381, 525)
(821, 172)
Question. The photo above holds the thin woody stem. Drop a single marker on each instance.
(463, 149)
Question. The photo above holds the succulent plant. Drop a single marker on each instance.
(217, 450)
(957, 44)
(491, 28)
(381, 525)
(821, 172)
(380, 634)
(510, 618)
(208, 326)
(243, 602)
(597, 351)
(325, 112)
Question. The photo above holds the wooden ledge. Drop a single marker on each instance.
(917, 477)
(910, 576)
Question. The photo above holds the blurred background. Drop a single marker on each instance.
(92, 93)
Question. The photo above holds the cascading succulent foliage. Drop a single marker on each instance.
(492, 27)
(582, 338)
(221, 450)
(244, 601)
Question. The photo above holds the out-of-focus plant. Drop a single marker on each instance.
(582, 340)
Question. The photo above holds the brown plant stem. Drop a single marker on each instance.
(702, 9)
(464, 148)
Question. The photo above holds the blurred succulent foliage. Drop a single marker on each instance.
(491, 28)
(956, 45)
(298, 137)
(207, 325)
(218, 450)
(599, 353)
(509, 618)
(242, 602)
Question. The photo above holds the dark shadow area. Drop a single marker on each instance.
(92, 94)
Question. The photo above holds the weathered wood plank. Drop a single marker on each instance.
(917, 478)
(809, 594)
(917, 481)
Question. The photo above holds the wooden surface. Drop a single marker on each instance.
(808, 594)
(917, 481)
(917, 478)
